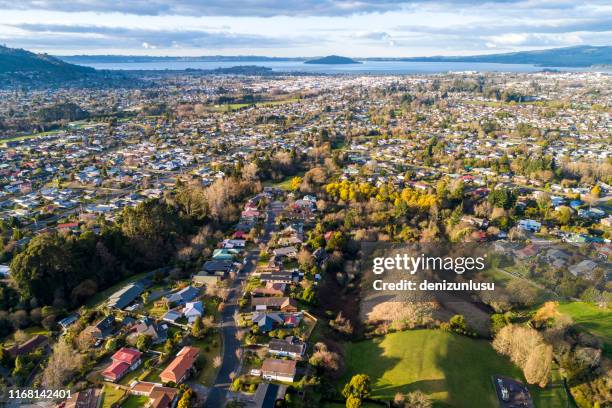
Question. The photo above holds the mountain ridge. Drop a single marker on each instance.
(576, 56)
(20, 61)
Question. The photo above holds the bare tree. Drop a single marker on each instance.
(62, 365)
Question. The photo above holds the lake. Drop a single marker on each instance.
(367, 67)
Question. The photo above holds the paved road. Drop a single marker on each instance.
(219, 394)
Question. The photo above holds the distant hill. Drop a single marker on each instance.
(579, 56)
(121, 59)
(332, 59)
(20, 62)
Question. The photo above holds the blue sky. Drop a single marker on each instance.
(356, 28)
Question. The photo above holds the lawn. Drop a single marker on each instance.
(455, 371)
(135, 401)
(208, 352)
(111, 395)
(594, 319)
(153, 375)
(284, 184)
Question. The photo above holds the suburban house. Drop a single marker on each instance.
(172, 316)
(178, 370)
(224, 254)
(125, 296)
(184, 295)
(193, 310)
(219, 268)
(278, 370)
(271, 289)
(102, 329)
(234, 243)
(290, 347)
(284, 304)
(280, 277)
(289, 252)
(148, 327)
(584, 268)
(203, 279)
(159, 397)
(123, 361)
(530, 225)
(88, 398)
(267, 321)
(68, 321)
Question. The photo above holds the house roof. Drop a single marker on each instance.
(194, 308)
(278, 367)
(214, 266)
(125, 296)
(177, 369)
(285, 346)
(279, 302)
(143, 387)
(172, 315)
(127, 355)
(115, 370)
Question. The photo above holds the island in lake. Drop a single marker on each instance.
(332, 59)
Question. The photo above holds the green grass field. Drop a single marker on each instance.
(594, 319)
(453, 370)
(285, 184)
(135, 401)
(110, 395)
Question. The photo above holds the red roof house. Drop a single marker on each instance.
(179, 368)
(124, 360)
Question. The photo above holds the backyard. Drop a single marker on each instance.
(592, 318)
(436, 363)
(111, 395)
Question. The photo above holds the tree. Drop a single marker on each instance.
(353, 402)
(358, 387)
(458, 323)
(527, 349)
(417, 399)
(185, 401)
(305, 259)
(295, 183)
(62, 365)
(41, 268)
(325, 359)
(538, 365)
(522, 292)
(111, 344)
(563, 215)
(196, 329)
(168, 346)
(143, 342)
(498, 322)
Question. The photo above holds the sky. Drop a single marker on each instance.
(306, 28)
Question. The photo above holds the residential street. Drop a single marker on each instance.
(219, 394)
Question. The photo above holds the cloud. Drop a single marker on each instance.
(251, 8)
(601, 24)
(533, 40)
(41, 35)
